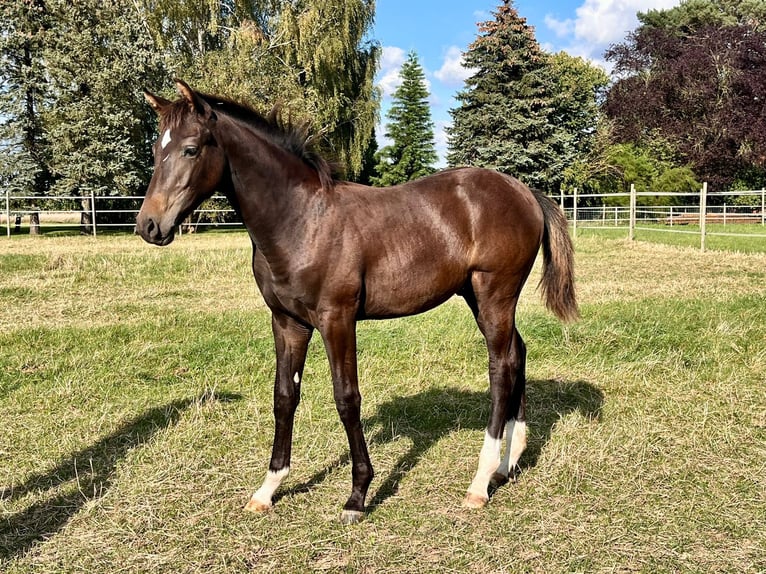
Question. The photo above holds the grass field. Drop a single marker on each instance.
(135, 403)
(741, 238)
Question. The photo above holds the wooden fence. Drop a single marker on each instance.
(682, 212)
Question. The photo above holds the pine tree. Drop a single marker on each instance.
(100, 130)
(412, 153)
(23, 89)
(504, 118)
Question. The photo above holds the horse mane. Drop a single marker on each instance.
(296, 139)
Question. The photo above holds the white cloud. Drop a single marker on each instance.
(599, 23)
(561, 28)
(453, 72)
(391, 61)
(392, 57)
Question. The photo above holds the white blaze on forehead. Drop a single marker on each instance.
(165, 139)
(297, 378)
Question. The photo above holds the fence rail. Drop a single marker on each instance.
(685, 213)
(691, 217)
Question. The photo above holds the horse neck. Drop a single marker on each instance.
(270, 186)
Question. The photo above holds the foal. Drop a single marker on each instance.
(329, 253)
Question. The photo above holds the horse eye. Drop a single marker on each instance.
(190, 151)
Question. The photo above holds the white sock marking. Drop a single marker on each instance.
(270, 485)
(488, 459)
(165, 139)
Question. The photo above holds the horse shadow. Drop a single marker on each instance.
(427, 417)
(93, 470)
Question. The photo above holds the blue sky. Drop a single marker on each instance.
(440, 30)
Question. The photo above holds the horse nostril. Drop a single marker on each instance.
(150, 226)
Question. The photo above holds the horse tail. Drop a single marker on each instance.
(557, 282)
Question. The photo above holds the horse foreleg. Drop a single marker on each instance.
(339, 334)
(291, 340)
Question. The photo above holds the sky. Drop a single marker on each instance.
(439, 31)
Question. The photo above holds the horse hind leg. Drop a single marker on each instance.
(495, 317)
(516, 425)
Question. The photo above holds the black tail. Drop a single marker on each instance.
(557, 282)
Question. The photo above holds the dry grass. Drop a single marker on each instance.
(135, 392)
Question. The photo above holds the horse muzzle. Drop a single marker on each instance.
(153, 231)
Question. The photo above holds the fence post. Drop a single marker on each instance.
(574, 214)
(703, 215)
(763, 206)
(8, 211)
(632, 213)
(93, 210)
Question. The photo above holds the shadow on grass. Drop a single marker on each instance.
(91, 469)
(427, 417)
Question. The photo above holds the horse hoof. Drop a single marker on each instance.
(475, 501)
(256, 506)
(350, 517)
(498, 479)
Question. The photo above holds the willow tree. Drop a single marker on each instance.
(308, 56)
(324, 42)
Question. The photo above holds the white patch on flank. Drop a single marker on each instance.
(296, 378)
(165, 139)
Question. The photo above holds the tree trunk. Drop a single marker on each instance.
(86, 217)
(34, 223)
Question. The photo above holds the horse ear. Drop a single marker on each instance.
(157, 103)
(196, 103)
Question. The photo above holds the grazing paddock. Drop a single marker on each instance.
(135, 403)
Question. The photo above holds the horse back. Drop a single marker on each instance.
(419, 243)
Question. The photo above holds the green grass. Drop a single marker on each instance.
(743, 238)
(135, 401)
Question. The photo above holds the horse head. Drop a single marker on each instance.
(188, 164)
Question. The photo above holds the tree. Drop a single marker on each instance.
(311, 57)
(23, 90)
(99, 128)
(578, 90)
(696, 79)
(333, 62)
(523, 111)
(412, 153)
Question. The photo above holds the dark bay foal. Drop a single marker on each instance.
(329, 253)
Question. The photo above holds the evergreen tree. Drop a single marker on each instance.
(413, 151)
(504, 118)
(100, 130)
(23, 90)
